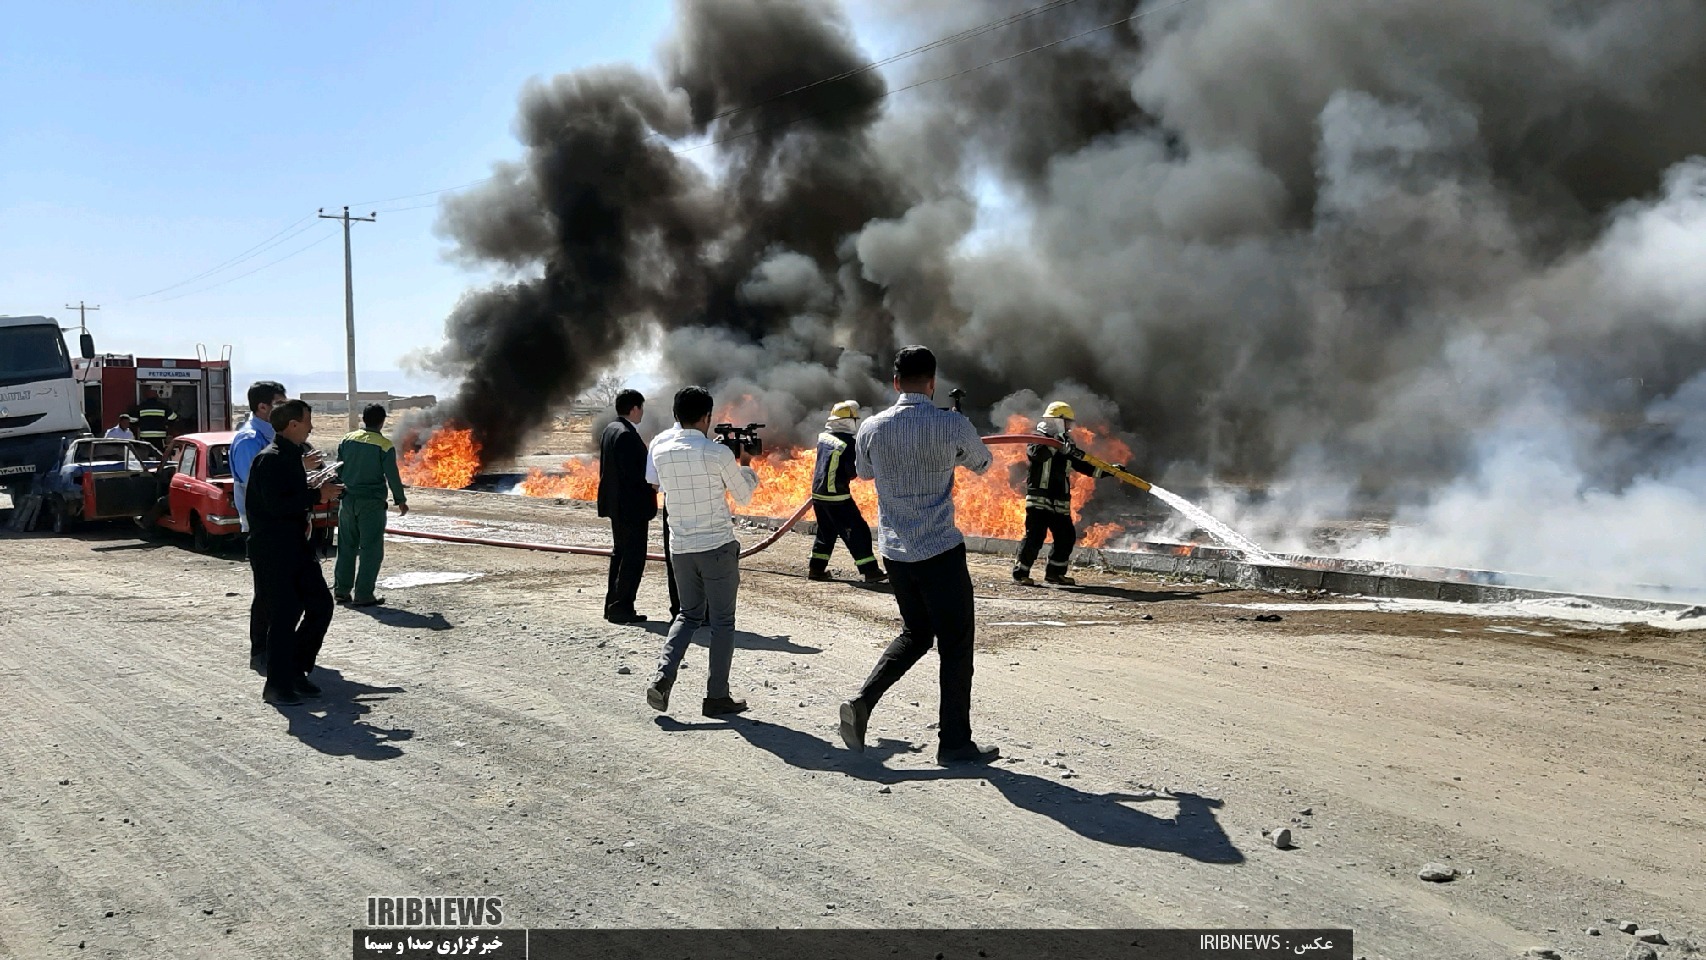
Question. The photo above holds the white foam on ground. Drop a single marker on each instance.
(1055, 623)
(1567, 609)
(425, 578)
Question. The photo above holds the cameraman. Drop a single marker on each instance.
(695, 474)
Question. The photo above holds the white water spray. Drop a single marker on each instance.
(1215, 528)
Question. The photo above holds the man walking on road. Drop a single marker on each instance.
(629, 502)
(369, 466)
(121, 430)
(287, 574)
(911, 450)
(696, 475)
(250, 440)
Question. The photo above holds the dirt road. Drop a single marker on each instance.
(482, 737)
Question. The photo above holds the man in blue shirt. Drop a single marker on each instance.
(911, 450)
(251, 439)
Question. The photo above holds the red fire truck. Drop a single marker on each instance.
(198, 390)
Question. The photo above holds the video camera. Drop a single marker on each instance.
(739, 438)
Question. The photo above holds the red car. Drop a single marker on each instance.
(201, 499)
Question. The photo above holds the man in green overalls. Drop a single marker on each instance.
(369, 465)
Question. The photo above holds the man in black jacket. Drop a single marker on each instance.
(629, 502)
(287, 572)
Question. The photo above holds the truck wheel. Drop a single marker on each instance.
(198, 535)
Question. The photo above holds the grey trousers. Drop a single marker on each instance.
(708, 583)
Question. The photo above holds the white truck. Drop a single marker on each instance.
(41, 403)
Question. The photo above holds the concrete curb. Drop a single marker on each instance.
(1216, 565)
(1308, 575)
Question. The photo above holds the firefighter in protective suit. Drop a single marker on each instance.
(1048, 498)
(832, 498)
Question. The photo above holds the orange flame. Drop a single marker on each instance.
(578, 481)
(449, 459)
(1098, 534)
(988, 505)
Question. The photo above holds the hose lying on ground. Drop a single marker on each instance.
(1000, 438)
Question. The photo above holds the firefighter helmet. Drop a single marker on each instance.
(1060, 409)
(845, 410)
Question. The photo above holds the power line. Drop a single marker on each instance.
(426, 193)
(970, 32)
(190, 293)
(936, 44)
(940, 42)
(949, 76)
(248, 254)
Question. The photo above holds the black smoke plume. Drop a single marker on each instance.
(615, 232)
(1362, 250)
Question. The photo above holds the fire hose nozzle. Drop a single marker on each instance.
(956, 395)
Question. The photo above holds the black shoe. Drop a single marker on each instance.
(657, 695)
(969, 753)
(284, 698)
(258, 663)
(854, 716)
(369, 602)
(819, 575)
(341, 597)
(875, 576)
(721, 706)
(305, 687)
(626, 620)
(1023, 579)
(1060, 578)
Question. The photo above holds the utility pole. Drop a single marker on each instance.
(82, 314)
(349, 302)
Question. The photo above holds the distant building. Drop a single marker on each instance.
(338, 403)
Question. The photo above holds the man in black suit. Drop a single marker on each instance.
(289, 583)
(629, 501)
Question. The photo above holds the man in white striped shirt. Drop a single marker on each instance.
(696, 475)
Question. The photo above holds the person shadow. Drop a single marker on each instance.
(1193, 831)
(407, 619)
(743, 639)
(332, 723)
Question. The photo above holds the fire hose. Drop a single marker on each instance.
(1000, 438)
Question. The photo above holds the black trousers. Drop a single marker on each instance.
(669, 569)
(258, 616)
(1041, 523)
(935, 598)
(293, 592)
(627, 564)
(841, 518)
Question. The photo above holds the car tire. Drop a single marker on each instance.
(198, 535)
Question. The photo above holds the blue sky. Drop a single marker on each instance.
(142, 144)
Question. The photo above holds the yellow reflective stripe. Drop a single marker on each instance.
(834, 460)
(369, 437)
(832, 499)
(1048, 468)
(820, 556)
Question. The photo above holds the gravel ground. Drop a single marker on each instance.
(479, 737)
